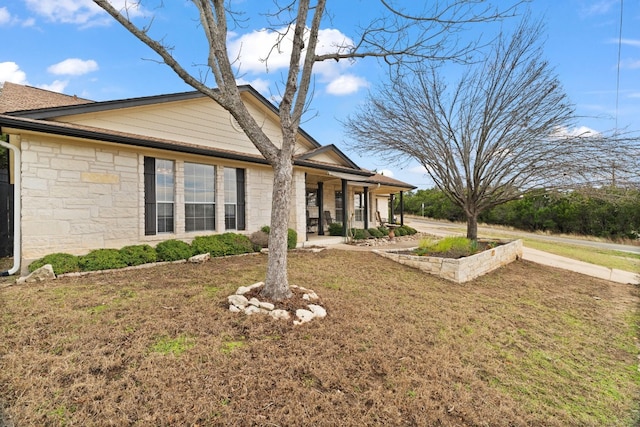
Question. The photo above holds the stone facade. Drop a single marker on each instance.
(77, 198)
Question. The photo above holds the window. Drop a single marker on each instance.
(234, 217)
(339, 206)
(159, 183)
(358, 205)
(199, 197)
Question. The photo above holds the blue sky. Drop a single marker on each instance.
(70, 46)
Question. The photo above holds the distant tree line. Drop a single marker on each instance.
(603, 212)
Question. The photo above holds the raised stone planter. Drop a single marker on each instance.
(462, 269)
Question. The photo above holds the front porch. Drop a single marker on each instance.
(360, 202)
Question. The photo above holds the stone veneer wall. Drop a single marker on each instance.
(463, 269)
(77, 197)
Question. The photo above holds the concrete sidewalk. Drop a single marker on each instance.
(611, 274)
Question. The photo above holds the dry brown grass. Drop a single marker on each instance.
(526, 345)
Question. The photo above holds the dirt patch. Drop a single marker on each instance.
(523, 346)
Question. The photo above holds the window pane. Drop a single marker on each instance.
(230, 186)
(164, 180)
(230, 217)
(199, 217)
(165, 217)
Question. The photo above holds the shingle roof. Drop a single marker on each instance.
(15, 97)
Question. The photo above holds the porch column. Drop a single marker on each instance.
(320, 208)
(366, 208)
(344, 208)
(402, 208)
(391, 217)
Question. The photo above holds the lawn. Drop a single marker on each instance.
(523, 346)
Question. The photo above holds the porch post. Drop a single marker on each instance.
(366, 208)
(392, 219)
(320, 208)
(344, 208)
(402, 208)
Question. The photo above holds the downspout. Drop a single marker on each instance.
(16, 209)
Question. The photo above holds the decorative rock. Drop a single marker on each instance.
(252, 309)
(238, 300)
(280, 314)
(200, 259)
(318, 311)
(310, 296)
(254, 301)
(304, 316)
(41, 274)
(234, 309)
(244, 289)
(267, 306)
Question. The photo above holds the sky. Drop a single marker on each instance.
(73, 47)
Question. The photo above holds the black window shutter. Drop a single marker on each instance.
(241, 224)
(149, 196)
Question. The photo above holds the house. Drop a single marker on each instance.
(91, 175)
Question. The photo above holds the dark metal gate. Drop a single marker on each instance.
(6, 206)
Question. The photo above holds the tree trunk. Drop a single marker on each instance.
(276, 283)
(472, 226)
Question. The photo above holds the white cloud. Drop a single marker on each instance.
(600, 7)
(576, 131)
(11, 72)
(56, 86)
(5, 16)
(386, 172)
(261, 85)
(73, 67)
(631, 64)
(346, 84)
(262, 51)
(83, 12)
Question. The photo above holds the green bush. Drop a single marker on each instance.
(292, 238)
(101, 259)
(374, 232)
(409, 231)
(335, 229)
(265, 229)
(138, 254)
(384, 230)
(399, 231)
(222, 244)
(61, 263)
(360, 234)
(173, 250)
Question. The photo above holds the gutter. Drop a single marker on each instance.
(16, 209)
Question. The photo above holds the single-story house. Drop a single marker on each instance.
(87, 175)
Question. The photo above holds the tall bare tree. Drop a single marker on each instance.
(404, 31)
(507, 127)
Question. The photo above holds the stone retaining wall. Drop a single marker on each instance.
(463, 269)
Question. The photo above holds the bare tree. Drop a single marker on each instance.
(402, 33)
(504, 129)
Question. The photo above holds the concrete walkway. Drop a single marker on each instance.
(611, 274)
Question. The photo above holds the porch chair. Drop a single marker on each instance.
(379, 219)
(327, 218)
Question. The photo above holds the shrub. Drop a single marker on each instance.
(360, 234)
(335, 229)
(61, 263)
(173, 250)
(374, 232)
(409, 231)
(259, 239)
(101, 259)
(292, 238)
(399, 231)
(222, 244)
(138, 254)
(384, 230)
(265, 229)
